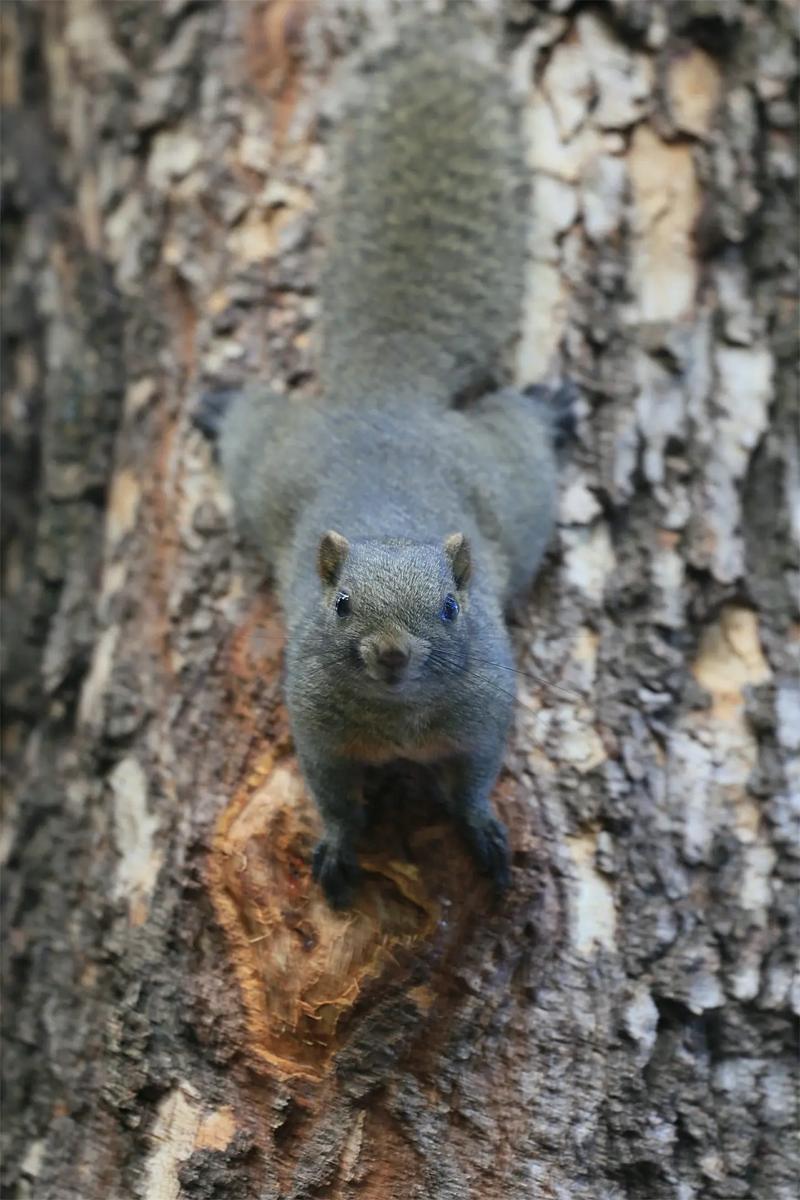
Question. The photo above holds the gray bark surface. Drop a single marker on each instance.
(183, 1016)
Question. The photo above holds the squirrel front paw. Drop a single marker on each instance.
(209, 413)
(489, 842)
(559, 403)
(336, 870)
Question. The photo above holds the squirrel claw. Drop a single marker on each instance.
(489, 843)
(337, 872)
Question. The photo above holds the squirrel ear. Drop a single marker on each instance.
(332, 552)
(456, 548)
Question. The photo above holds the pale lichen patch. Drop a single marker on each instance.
(745, 391)
(589, 559)
(641, 1021)
(578, 505)
(712, 757)
(666, 205)
(31, 1165)
(112, 581)
(88, 209)
(668, 574)
(546, 151)
(787, 711)
(90, 705)
(579, 744)
(555, 204)
(126, 230)
(253, 239)
(544, 319)
(594, 918)
(173, 155)
(756, 891)
(123, 505)
(742, 398)
(693, 89)
(90, 41)
(134, 834)
(705, 992)
(730, 658)
(569, 87)
(603, 187)
(174, 1135)
(216, 1130)
(583, 653)
(351, 1151)
(138, 395)
(622, 78)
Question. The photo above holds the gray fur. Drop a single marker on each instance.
(389, 470)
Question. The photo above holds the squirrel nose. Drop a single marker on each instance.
(393, 657)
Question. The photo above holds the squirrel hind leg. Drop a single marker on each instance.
(209, 414)
(559, 402)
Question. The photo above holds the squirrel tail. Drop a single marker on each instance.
(422, 290)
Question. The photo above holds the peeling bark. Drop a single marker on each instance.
(184, 1016)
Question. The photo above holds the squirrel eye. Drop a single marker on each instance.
(449, 608)
(342, 604)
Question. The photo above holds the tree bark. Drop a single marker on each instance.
(184, 1017)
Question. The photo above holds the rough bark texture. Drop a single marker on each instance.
(184, 1018)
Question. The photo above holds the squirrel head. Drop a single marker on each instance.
(395, 611)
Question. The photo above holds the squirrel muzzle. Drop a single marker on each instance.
(392, 659)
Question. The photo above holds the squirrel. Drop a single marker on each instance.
(403, 509)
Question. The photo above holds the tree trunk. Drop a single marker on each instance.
(184, 1016)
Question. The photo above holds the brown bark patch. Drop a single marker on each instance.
(274, 55)
(301, 967)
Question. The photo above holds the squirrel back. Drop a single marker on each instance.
(422, 287)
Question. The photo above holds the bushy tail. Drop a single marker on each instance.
(423, 283)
